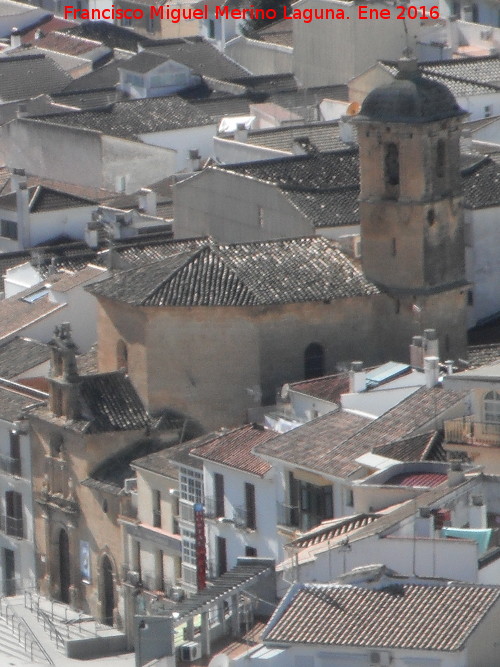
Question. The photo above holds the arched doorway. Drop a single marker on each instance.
(108, 591)
(64, 568)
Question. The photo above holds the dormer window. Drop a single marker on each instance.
(492, 407)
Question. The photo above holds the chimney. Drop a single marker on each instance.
(449, 366)
(424, 523)
(346, 130)
(431, 370)
(17, 176)
(15, 38)
(147, 201)
(23, 215)
(477, 513)
(417, 353)
(455, 474)
(452, 33)
(241, 133)
(357, 377)
(431, 343)
(194, 160)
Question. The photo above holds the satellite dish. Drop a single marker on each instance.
(353, 109)
(220, 660)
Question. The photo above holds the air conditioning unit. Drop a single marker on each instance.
(176, 594)
(380, 658)
(190, 651)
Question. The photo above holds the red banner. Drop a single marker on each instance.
(201, 549)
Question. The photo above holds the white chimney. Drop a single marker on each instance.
(346, 130)
(477, 513)
(455, 474)
(241, 133)
(452, 33)
(431, 370)
(22, 110)
(357, 377)
(417, 353)
(194, 160)
(15, 38)
(431, 343)
(23, 216)
(449, 366)
(17, 177)
(424, 523)
(147, 201)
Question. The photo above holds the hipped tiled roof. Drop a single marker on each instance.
(400, 615)
(247, 274)
(234, 448)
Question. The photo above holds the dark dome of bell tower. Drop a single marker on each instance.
(410, 98)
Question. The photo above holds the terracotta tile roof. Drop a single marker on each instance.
(64, 281)
(332, 443)
(87, 362)
(167, 461)
(480, 355)
(421, 447)
(16, 313)
(439, 617)
(48, 25)
(20, 355)
(328, 530)
(234, 448)
(12, 403)
(247, 274)
(63, 42)
(320, 444)
(326, 388)
(419, 410)
(419, 479)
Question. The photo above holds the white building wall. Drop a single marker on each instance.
(483, 262)
(264, 538)
(332, 51)
(24, 550)
(182, 141)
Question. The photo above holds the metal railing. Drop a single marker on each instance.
(22, 631)
(468, 431)
(32, 602)
(157, 518)
(10, 465)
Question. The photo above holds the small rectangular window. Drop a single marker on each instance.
(251, 514)
(219, 494)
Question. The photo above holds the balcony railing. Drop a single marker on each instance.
(13, 526)
(467, 431)
(10, 465)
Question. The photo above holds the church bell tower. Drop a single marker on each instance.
(412, 227)
(412, 231)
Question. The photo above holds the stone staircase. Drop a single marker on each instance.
(35, 630)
